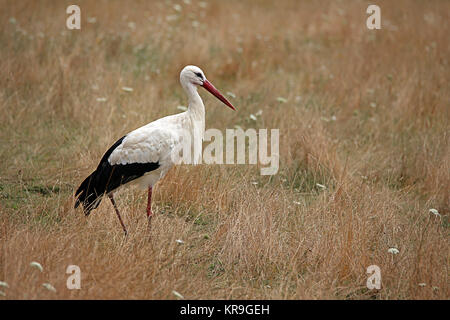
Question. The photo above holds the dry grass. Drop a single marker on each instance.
(385, 157)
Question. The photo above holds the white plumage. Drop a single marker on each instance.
(145, 155)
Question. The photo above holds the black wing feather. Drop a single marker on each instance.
(108, 177)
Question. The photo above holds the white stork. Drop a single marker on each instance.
(143, 156)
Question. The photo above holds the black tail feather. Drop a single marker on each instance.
(90, 193)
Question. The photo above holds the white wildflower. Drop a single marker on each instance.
(37, 265)
(4, 284)
(177, 294)
(49, 287)
(127, 89)
(253, 117)
(393, 250)
(282, 100)
(435, 212)
(231, 94)
(132, 25)
(422, 284)
(172, 17)
(179, 241)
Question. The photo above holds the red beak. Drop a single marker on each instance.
(208, 86)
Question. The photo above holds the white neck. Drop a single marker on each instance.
(196, 108)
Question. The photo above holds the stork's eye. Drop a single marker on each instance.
(198, 74)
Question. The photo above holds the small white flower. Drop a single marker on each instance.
(321, 186)
(253, 117)
(435, 212)
(282, 100)
(4, 284)
(127, 89)
(231, 94)
(393, 250)
(333, 118)
(182, 108)
(259, 112)
(101, 99)
(179, 241)
(422, 284)
(177, 294)
(172, 17)
(49, 287)
(177, 7)
(254, 183)
(296, 202)
(132, 25)
(37, 265)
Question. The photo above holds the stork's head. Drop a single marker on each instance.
(194, 75)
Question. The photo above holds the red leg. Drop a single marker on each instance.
(149, 206)
(117, 212)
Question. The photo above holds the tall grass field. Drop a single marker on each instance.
(364, 142)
